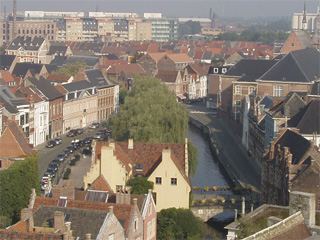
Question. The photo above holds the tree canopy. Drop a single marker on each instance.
(178, 224)
(150, 113)
(190, 27)
(15, 189)
(139, 185)
(70, 69)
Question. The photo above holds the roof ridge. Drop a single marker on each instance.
(295, 60)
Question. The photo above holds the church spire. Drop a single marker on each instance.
(304, 19)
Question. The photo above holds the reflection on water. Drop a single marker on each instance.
(207, 174)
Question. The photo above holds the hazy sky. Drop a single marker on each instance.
(173, 8)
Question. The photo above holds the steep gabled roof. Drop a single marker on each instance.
(82, 221)
(6, 61)
(255, 68)
(46, 88)
(13, 143)
(121, 211)
(308, 119)
(100, 184)
(297, 66)
(21, 69)
(27, 43)
(168, 76)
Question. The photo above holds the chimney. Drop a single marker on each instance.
(88, 236)
(271, 151)
(130, 143)
(59, 221)
(289, 160)
(111, 210)
(186, 158)
(27, 215)
(123, 197)
(135, 202)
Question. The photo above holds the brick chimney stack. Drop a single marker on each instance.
(59, 221)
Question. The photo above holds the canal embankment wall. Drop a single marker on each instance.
(224, 162)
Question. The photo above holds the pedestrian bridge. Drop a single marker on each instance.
(206, 206)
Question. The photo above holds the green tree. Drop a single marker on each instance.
(71, 69)
(15, 187)
(190, 27)
(151, 113)
(139, 185)
(175, 223)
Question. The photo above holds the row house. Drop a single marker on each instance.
(173, 80)
(15, 108)
(166, 165)
(29, 49)
(39, 114)
(197, 74)
(152, 62)
(277, 117)
(291, 164)
(256, 127)
(55, 99)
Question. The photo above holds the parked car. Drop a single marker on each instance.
(98, 135)
(54, 166)
(66, 153)
(87, 150)
(71, 149)
(51, 144)
(79, 130)
(51, 171)
(50, 174)
(72, 133)
(56, 160)
(43, 186)
(61, 157)
(94, 125)
(87, 140)
(58, 141)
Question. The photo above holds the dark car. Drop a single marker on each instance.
(51, 172)
(54, 166)
(108, 130)
(58, 141)
(87, 150)
(72, 133)
(66, 153)
(87, 140)
(51, 144)
(79, 130)
(56, 161)
(71, 149)
(61, 156)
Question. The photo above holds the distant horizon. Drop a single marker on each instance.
(231, 9)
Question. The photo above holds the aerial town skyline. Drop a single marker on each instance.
(224, 9)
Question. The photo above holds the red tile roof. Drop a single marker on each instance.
(15, 235)
(169, 76)
(58, 78)
(13, 143)
(100, 184)
(117, 68)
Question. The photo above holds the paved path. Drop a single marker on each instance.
(231, 149)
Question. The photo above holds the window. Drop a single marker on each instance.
(27, 117)
(173, 181)
(277, 91)
(111, 236)
(21, 120)
(136, 224)
(238, 90)
(238, 103)
(158, 180)
(150, 209)
(252, 91)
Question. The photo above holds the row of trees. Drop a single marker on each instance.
(15, 189)
(266, 37)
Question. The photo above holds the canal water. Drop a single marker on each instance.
(208, 174)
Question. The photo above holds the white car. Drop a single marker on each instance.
(94, 125)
